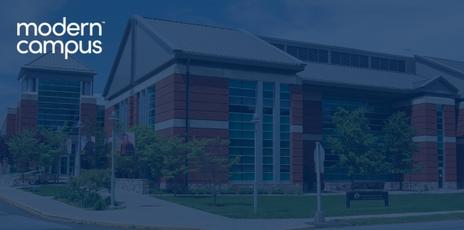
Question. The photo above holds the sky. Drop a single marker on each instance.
(405, 27)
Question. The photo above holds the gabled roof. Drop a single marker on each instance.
(437, 84)
(57, 62)
(344, 76)
(456, 67)
(149, 45)
(218, 42)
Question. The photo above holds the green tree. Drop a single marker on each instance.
(398, 146)
(23, 149)
(51, 146)
(173, 166)
(147, 160)
(148, 153)
(207, 158)
(354, 143)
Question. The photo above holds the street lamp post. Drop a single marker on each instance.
(114, 119)
(77, 158)
(256, 121)
(319, 158)
(258, 142)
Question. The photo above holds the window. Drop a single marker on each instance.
(29, 85)
(58, 103)
(388, 64)
(146, 107)
(308, 54)
(348, 59)
(86, 88)
(151, 96)
(242, 101)
(142, 107)
(284, 132)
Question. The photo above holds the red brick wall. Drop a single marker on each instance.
(27, 114)
(297, 137)
(449, 120)
(108, 123)
(208, 100)
(170, 98)
(424, 119)
(88, 117)
(426, 160)
(312, 125)
(11, 124)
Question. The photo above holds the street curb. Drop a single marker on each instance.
(394, 215)
(52, 217)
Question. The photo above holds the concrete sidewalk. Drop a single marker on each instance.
(145, 211)
(141, 211)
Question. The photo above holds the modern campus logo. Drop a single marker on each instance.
(63, 37)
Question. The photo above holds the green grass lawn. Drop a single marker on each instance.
(303, 206)
(65, 194)
(48, 190)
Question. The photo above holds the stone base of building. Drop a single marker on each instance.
(393, 186)
(230, 188)
(133, 185)
(428, 186)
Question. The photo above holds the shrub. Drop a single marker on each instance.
(85, 190)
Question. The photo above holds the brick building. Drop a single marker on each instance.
(55, 93)
(196, 81)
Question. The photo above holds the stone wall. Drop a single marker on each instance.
(133, 185)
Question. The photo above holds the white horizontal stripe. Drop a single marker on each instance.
(88, 99)
(433, 100)
(296, 129)
(29, 96)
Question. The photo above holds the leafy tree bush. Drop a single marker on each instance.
(24, 151)
(173, 166)
(355, 144)
(207, 158)
(397, 145)
(51, 147)
(86, 189)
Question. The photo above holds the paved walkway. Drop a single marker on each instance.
(141, 211)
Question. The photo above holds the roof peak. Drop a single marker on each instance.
(188, 23)
(57, 62)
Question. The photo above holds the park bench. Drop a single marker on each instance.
(368, 190)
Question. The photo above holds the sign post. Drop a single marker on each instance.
(319, 158)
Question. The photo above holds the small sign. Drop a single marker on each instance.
(319, 158)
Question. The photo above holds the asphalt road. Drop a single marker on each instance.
(12, 218)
